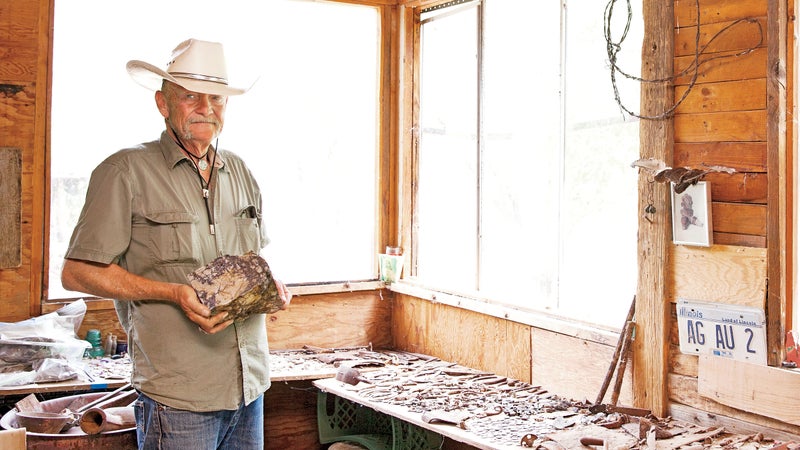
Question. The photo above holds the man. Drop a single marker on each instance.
(154, 213)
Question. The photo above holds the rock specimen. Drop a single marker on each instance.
(241, 285)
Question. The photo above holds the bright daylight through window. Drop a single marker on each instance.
(526, 195)
(307, 128)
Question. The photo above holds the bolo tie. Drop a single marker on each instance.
(204, 185)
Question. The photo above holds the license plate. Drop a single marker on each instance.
(731, 331)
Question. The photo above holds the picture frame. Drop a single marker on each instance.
(691, 215)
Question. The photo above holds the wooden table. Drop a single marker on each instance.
(484, 410)
(333, 386)
(63, 386)
(421, 397)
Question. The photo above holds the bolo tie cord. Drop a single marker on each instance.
(204, 185)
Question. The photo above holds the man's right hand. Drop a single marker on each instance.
(199, 313)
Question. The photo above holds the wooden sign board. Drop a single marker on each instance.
(10, 213)
(731, 331)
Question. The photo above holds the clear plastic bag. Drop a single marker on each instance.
(49, 336)
(51, 370)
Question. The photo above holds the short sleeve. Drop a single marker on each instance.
(103, 230)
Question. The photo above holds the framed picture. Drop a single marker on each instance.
(691, 215)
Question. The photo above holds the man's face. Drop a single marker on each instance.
(194, 116)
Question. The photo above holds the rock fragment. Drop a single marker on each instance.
(240, 285)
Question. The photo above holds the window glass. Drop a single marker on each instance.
(307, 128)
(535, 205)
(447, 207)
(599, 203)
(521, 159)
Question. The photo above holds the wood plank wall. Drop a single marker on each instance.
(24, 28)
(723, 121)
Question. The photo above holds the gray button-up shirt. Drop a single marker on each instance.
(145, 211)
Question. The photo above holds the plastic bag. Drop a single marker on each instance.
(50, 370)
(52, 335)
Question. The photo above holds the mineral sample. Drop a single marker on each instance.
(241, 285)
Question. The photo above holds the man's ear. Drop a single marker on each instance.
(161, 102)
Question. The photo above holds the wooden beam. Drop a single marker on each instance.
(408, 133)
(388, 186)
(656, 138)
(777, 184)
(40, 234)
(791, 174)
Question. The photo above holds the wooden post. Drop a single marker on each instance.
(656, 141)
(390, 61)
(779, 178)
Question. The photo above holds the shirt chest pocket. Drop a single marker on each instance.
(241, 231)
(172, 237)
(248, 235)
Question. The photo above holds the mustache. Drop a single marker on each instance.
(211, 121)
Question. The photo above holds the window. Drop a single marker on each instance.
(308, 127)
(525, 191)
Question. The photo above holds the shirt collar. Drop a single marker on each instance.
(173, 154)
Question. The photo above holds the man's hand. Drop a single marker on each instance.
(186, 298)
(286, 296)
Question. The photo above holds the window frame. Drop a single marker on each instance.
(476, 301)
(386, 170)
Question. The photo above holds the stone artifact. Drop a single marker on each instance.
(241, 285)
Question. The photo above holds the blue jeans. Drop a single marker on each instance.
(160, 427)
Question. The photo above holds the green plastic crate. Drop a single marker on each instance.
(408, 436)
(341, 420)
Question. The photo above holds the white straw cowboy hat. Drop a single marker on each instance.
(195, 65)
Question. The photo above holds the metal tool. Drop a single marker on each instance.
(350, 375)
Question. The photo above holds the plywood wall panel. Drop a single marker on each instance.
(575, 367)
(462, 336)
(724, 274)
(332, 320)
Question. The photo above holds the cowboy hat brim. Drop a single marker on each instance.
(151, 77)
